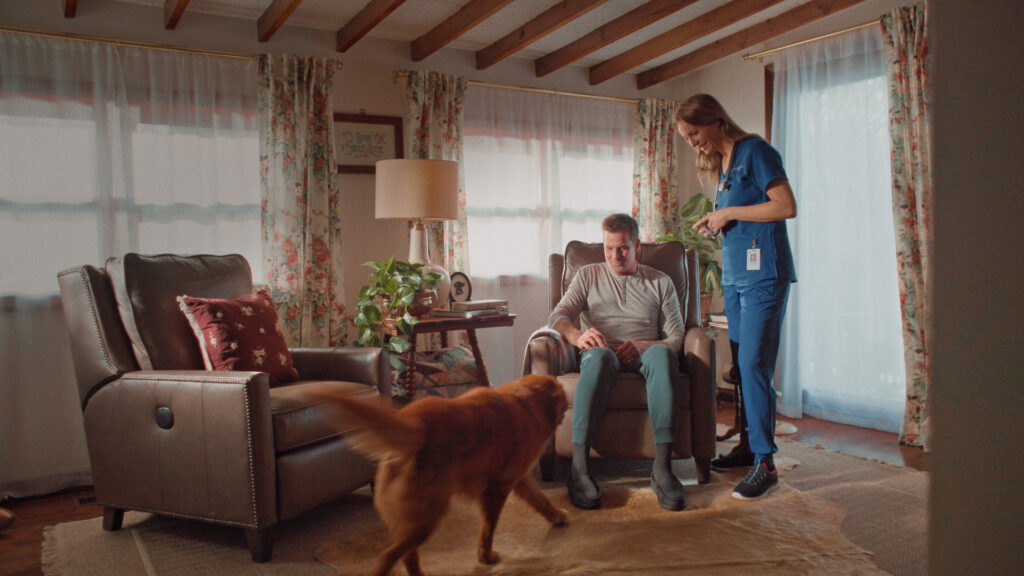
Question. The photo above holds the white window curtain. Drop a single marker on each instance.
(842, 350)
(103, 150)
(541, 170)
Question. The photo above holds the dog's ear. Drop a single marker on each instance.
(550, 387)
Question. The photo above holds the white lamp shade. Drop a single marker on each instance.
(410, 189)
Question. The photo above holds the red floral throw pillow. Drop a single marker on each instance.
(240, 334)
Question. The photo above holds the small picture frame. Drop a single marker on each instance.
(462, 288)
(360, 140)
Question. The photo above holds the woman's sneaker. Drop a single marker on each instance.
(739, 457)
(756, 483)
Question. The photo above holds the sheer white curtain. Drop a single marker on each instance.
(842, 351)
(541, 170)
(104, 150)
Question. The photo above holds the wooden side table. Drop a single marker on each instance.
(442, 326)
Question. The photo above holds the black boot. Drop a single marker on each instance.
(670, 493)
(583, 491)
(738, 457)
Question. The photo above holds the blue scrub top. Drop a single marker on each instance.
(755, 164)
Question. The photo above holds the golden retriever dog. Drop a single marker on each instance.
(481, 445)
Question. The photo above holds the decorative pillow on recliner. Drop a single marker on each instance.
(240, 334)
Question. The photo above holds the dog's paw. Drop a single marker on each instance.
(488, 557)
(560, 517)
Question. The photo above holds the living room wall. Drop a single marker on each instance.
(367, 84)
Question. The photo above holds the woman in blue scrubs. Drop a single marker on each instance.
(753, 201)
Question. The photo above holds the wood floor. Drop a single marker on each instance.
(20, 544)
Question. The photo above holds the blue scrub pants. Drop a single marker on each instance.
(755, 321)
(598, 369)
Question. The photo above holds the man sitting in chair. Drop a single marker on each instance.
(629, 321)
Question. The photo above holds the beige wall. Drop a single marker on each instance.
(367, 84)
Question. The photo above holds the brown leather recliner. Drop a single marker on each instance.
(626, 432)
(166, 436)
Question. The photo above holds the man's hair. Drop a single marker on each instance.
(622, 223)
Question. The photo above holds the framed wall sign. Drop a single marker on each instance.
(360, 140)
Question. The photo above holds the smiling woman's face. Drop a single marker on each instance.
(707, 139)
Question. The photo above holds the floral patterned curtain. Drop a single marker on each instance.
(906, 49)
(654, 169)
(433, 126)
(301, 214)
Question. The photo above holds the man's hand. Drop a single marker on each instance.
(592, 338)
(629, 352)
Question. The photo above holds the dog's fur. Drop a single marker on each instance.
(481, 445)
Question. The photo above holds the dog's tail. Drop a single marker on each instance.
(379, 430)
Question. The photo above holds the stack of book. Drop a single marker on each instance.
(718, 320)
(475, 309)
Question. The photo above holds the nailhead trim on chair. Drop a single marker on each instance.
(250, 445)
(96, 323)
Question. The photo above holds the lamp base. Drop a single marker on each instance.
(444, 285)
(419, 253)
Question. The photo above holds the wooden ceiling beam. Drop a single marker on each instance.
(613, 31)
(549, 21)
(473, 13)
(274, 17)
(371, 15)
(766, 30)
(69, 8)
(677, 37)
(173, 9)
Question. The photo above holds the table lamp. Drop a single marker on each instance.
(419, 190)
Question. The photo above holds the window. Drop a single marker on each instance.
(540, 170)
(842, 353)
(105, 150)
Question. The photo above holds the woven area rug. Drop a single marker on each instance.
(883, 532)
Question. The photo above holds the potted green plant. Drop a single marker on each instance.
(710, 271)
(395, 288)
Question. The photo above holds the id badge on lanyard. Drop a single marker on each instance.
(753, 256)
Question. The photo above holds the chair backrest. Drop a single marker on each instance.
(147, 288)
(100, 349)
(126, 317)
(672, 258)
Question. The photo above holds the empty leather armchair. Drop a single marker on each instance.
(626, 432)
(167, 436)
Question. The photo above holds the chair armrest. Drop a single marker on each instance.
(366, 365)
(547, 353)
(699, 351)
(186, 443)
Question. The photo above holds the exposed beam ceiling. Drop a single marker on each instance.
(633, 21)
(368, 17)
(770, 28)
(650, 40)
(173, 9)
(473, 13)
(678, 37)
(552, 18)
(274, 17)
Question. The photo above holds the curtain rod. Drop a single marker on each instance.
(759, 56)
(134, 44)
(403, 74)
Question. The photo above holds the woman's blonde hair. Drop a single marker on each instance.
(704, 110)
